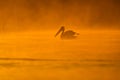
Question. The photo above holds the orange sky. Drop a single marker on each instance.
(49, 14)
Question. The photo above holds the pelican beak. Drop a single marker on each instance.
(61, 29)
(57, 33)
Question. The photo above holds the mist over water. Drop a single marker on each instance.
(94, 53)
(29, 50)
(51, 14)
(34, 43)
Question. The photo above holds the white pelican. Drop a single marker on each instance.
(69, 34)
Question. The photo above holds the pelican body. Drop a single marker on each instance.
(69, 34)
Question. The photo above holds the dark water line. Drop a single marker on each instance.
(79, 60)
(60, 65)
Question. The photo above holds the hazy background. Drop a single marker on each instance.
(51, 14)
(29, 50)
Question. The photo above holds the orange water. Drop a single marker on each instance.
(37, 55)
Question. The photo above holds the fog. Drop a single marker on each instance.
(18, 15)
(29, 50)
(35, 55)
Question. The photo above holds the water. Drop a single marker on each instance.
(35, 55)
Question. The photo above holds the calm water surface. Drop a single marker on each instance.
(94, 55)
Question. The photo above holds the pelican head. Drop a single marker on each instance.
(69, 34)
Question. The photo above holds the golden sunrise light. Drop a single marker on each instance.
(59, 39)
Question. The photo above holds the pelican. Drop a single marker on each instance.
(69, 34)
